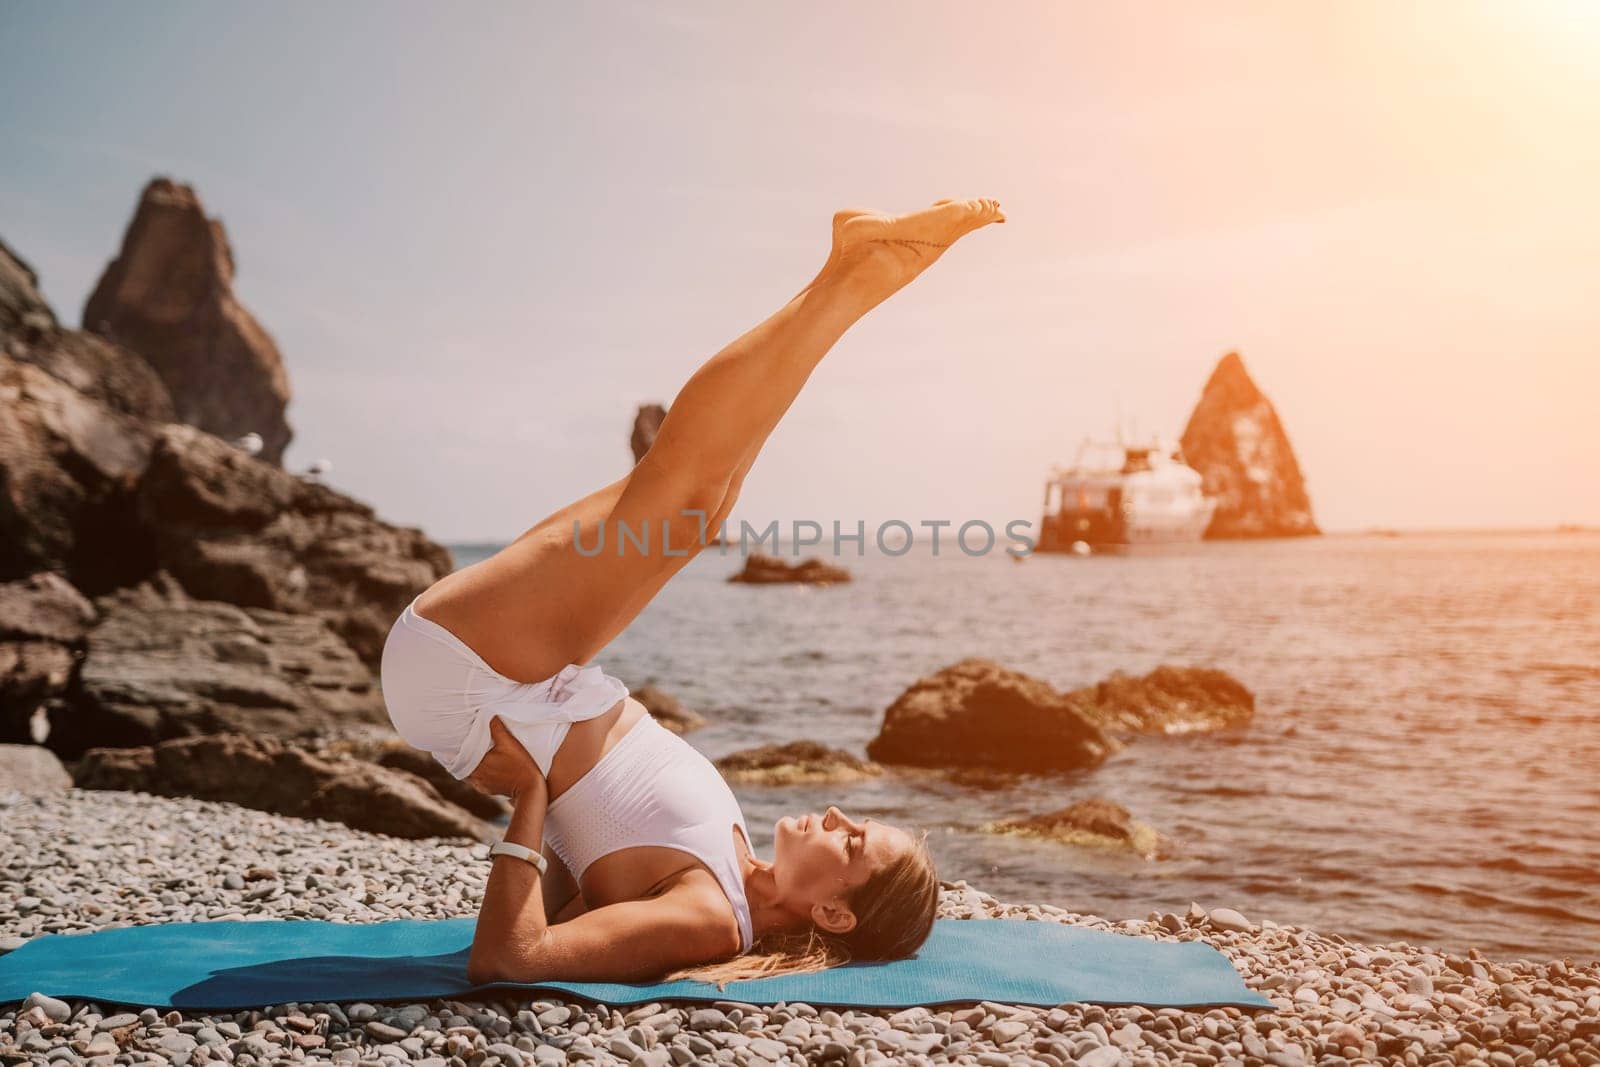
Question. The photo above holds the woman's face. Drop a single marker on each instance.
(821, 859)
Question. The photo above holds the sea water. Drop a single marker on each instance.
(1423, 764)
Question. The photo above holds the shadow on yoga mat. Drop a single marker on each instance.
(225, 965)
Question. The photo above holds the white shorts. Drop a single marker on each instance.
(441, 696)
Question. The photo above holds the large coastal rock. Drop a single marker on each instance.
(265, 774)
(275, 592)
(162, 665)
(795, 763)
(168, 295)
(761, 569)
(392, 752)
(110, 498)
(977, 716)
(67, 466)
(43, 622)
(230, 527)
(646, 424)
(980, 714)
(1235, 441)
(96, 481)
(44, 607)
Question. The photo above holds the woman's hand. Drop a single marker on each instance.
(506, 770)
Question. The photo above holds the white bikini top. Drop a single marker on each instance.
(653, 788)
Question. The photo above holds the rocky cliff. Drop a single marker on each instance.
(272, 593)
(1235, 441)
(168, 295)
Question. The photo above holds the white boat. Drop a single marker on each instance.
(1117, 494)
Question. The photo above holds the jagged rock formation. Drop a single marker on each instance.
(169, 297)
(761, 569)
(395, 754)
(161, 665)
(1235, 441)
(274, 592)
(109, 499)
(646, 424)
(113, 376)
(22, 308)
(795, 763)
(229, 527)
(265, 774)
(67, 466)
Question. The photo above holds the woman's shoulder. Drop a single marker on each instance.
(698, 900)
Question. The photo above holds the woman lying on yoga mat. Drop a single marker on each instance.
(646, 868)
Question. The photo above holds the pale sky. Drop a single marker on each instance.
(480, 234)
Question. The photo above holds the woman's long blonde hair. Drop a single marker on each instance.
(894, 910)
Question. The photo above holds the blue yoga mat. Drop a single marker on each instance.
(253, 964)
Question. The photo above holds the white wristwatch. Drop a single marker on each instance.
(522, 852)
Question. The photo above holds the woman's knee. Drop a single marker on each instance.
(724, 508)
(688, 485)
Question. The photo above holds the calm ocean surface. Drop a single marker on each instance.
(1424, 764)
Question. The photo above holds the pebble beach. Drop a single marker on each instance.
(79, 860)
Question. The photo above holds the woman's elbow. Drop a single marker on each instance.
(508, 961)
(485, 965)
(483, 968)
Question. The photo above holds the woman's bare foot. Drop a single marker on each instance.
(879, 254)
(839, 219)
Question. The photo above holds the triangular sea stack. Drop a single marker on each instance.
(169, 297)
(1235, 441)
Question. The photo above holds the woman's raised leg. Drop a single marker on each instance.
(567, 586)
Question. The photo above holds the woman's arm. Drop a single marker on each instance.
(631, 941)
(512, 922)
(635, 940)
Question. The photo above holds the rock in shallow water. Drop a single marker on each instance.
(1168, 700)
(797, 762)
(761, 569)
(978, 713)
(667, 709)
(1093, 821)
